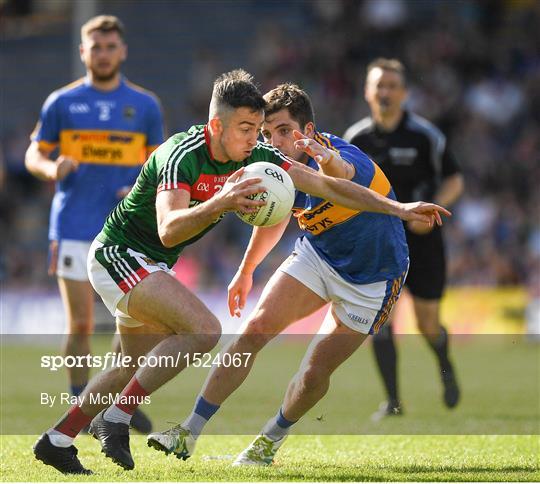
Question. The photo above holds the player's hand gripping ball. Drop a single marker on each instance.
(279, 194)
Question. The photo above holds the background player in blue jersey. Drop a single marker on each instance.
(356, 260)
(102, 128)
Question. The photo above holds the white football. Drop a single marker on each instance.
(279, 194)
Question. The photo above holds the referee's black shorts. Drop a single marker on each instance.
(427, 271)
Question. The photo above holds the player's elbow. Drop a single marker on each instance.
(32, 162)
(167, 240)
(166, 235)
(29, 159)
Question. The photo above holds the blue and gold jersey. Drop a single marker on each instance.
(363, 247)
(109, 134)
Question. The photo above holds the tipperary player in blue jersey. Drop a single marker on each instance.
(355, 260)
(101, 129)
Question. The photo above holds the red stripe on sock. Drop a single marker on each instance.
(73, 422)
(132, 396)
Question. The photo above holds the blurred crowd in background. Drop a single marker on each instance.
(473, 69)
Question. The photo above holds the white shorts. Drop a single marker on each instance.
(361, 307)
(115, 270)
(72, 255)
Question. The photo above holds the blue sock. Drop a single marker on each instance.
(204, 408)
(201, 413)
(76, 390)
(282, 421)
(277, 427)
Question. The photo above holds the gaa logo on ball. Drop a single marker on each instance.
(279, 194)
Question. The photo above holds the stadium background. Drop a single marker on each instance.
(474, 70)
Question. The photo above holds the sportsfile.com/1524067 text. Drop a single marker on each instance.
(114, 360)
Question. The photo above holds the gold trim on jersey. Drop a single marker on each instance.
(323, 140)
(72, 84)
(326, 214)
(110, 147)
(379, 182)
(47, 146)
(141, 89)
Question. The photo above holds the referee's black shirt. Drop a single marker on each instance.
(414, 156)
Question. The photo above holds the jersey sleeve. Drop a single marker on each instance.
(47, 130)
(177, 172)
(155, 128)
(363, 166)
(350, 153)
(366, 172)
(442, 159)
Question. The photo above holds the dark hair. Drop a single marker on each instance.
(103, 23)
(393, 65)
(295, 100)
(233, 90)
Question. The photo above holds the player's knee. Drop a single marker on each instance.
(210, 340)
(207, 323)
(248, 343)
(261, 323)
(213, 331)
(255, 336)
(429, 327)
(207, 330)
(206, 341)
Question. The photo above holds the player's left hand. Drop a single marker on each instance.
(423, 212)
(318, 152)
(238, 291)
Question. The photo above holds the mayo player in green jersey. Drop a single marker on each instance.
(184, 189)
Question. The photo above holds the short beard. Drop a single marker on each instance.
(107, 77)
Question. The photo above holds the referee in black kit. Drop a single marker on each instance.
(413, 154)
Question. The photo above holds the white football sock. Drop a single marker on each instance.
(195, 423)
(274, 431)
(58, 439)
(116, 415)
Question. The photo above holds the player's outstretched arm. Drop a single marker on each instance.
(262, 241)
(39, 164)
(356, 197)
(177, 222)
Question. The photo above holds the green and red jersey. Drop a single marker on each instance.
(185, 162)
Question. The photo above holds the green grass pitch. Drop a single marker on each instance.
(491, 436)
(311, 458)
